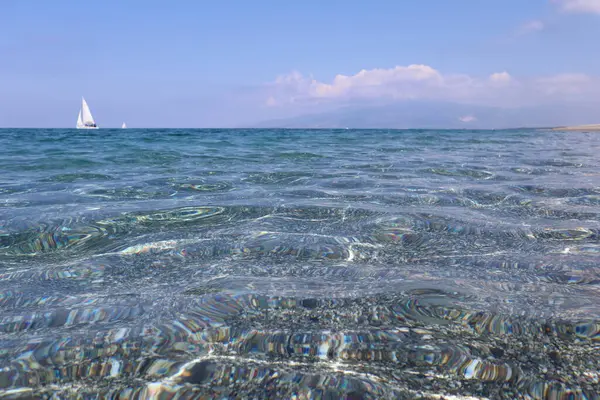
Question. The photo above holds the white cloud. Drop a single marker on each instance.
(565, 84)
(467, 119)
(377, 78)
(501, 77)
(271, 102)
(531, 27)
(400, 82)
(579, 6)
(422, 82)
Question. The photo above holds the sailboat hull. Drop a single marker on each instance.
(87, 127)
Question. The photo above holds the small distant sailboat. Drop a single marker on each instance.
(124, 126)
(85, 119)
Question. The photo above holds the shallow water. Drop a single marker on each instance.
(299, 264)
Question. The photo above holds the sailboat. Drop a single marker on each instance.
(124, 126)
(85, 119)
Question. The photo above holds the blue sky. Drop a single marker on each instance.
(232, 62)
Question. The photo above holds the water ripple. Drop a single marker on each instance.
(299, 264)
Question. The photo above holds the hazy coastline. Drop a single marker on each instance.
(590, 127)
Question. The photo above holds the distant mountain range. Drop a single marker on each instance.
(428, 115)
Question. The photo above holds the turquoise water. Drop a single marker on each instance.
(299, 264)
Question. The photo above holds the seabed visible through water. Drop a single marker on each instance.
(293, 264)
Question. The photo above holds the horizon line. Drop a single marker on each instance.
(321, 128)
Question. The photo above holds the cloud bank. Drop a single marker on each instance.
(579, 6)
(423, 82)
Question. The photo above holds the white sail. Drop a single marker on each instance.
(85, 119)
(79, 121)
(124, 126)
(86, 114)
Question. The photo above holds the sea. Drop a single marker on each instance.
(299, 264)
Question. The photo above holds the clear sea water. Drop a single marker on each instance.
(299, 264)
